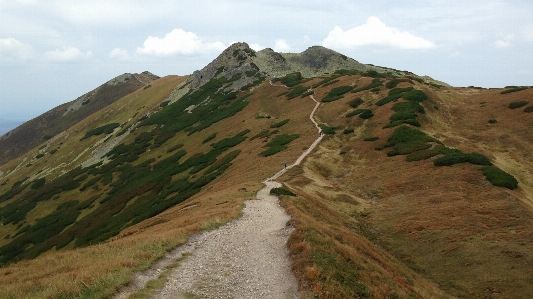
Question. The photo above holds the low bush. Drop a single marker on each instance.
(455, 156)
(105, 129)
(375, 83)
(209, 138)
(529, 109)
(292, 79)
(374, 138)
(423, 154)
(500, 178)
(513, 89)
(348, 131)
(281, 191)
(296, 91)
(336, 93)
(279, 124)
(278, 143)
(492, 121)
(355, 102)
(326, 129)
(326, 80)
(38, 183)
(519, 104)
(366, 114)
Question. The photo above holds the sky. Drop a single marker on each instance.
(54, 51)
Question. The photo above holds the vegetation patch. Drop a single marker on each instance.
(326, 80)
(455, 156)
(355, 103)
(519, 104)
(279, 124)
(529, 109)
(281, 191)
(336, 93)
(375, 83)
(348, 131)
(498, 177)
(394, 82)
(105, 129)
(492, 121)
(292, 79)
(327, 129)
(373, 138)
(278, 143)
(513, 89)
(296, 91)
(209, 138)
(363, 113)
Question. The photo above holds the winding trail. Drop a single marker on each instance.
(247, 258)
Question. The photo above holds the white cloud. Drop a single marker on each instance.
(256, 47)
(502, 44)
(178, 41)
(281, 46)
(14, 50)
(374, 32)
(119, 54)
(67, 54)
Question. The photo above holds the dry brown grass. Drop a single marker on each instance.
(391, 228)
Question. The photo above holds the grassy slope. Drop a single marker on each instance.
(384, 224)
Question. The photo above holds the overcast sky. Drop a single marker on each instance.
(53, 51)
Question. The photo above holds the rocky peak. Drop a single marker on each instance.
(236, 59)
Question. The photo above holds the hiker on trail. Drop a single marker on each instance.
(285, 165)
(320, 133)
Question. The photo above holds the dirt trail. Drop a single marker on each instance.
(247, 258)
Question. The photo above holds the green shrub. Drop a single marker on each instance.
(336, 93)
(39, 156)
(366, 114)
(400, 90)
(279, 124)
(375, 83)
(518, 104)
(292, 79)
(423, 154)
(348, 131)
(513, 89)
(500, 178)
(105, 129)
(529, 109)
(374, 138)
(326, 80)
(38, 183)
(209, 138)
(415, 95)
(492, 121)
(326, 129)
(296, 91)
(454, 156)
(278, 143)
(281, 191)
(355, 102)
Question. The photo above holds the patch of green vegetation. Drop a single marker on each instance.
(278, 143)
(281, 191)
(455, 156)
(492, 121)
(345, 72)
(498, 177)
(373, 138)
(363, 113)
(375, 74)
(375, 83)
(279, 124)
(424, 154)
(336, 93)
(355, 102)
(38, 183)
(220, 69)
(406, 140)
(306, 94)
(39, 156)
(296, 91)
(395, 81)
(105, 129)
(519, 104)
(348, 131)
(209, 138)
(327, 129)
(175, 147)
(529, 109)
(292, 79)
(326, 80)
(513, 89)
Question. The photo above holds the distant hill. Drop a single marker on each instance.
(47, 125)
(417, 190)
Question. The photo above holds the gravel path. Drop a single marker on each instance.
(247, 258)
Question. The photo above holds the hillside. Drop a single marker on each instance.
(417, 190)
(33, 132)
